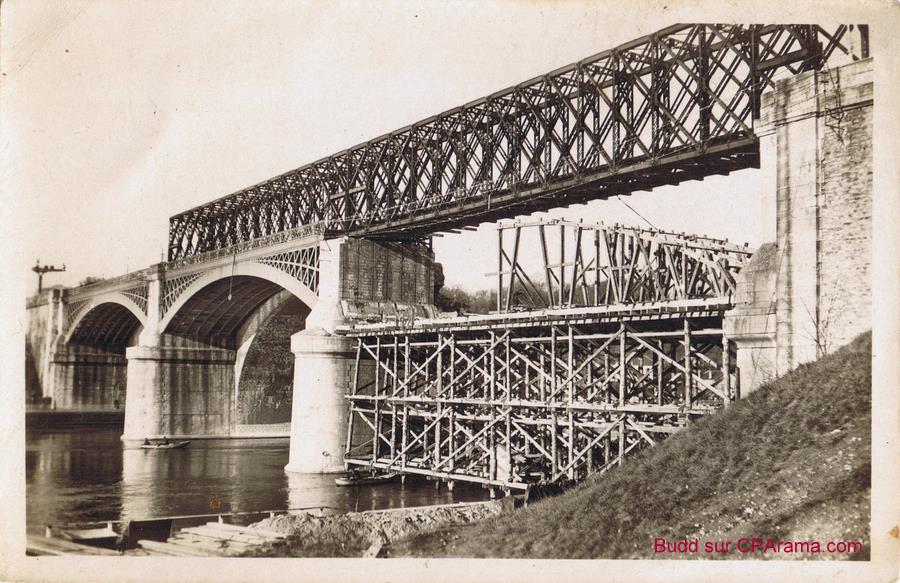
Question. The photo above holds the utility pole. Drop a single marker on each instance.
(42, 269)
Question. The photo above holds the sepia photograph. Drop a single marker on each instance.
(383, 291)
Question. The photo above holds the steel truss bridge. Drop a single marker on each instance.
(672, 106)
(625, 349)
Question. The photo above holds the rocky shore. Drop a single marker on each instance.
(357, 534)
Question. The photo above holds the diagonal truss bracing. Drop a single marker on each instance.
(672, 106)
(581, 264)
(511, 407)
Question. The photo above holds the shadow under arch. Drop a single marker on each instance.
(253, 317)
(109, 323)
(221, 299)
(89, 366)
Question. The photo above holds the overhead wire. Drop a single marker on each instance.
(646, 220)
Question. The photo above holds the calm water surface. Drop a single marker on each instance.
(83, 475)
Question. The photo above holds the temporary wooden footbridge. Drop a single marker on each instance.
(608, 341)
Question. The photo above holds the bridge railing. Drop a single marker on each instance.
(670, 106)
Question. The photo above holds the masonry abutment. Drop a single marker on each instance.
(87, 380)
(810, 291)
(45, 316)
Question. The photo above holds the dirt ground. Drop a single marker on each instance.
(352, 534)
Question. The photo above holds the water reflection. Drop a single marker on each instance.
(207, 476)
(72, 473)
(85, 475)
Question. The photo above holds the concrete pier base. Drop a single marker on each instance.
(178, 392)
(323, 369)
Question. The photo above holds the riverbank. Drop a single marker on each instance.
(355, 534)
(790, 463)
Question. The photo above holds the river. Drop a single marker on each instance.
(84, 475)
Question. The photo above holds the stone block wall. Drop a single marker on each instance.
(845, 226)
(823, 126)
(42, 317)
(198, 401)
(751, 324)
(178, 392)
(820, 123)
(88, 379)
(266, 383)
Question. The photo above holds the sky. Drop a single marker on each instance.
(117, 115)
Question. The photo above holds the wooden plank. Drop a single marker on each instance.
(247, 529)
(173, 550)
(222, 535)
(192, 542)
(374, 550)
(55, 546)
(226, 536)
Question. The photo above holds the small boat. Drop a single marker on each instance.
(171, 445)
(364, 479)
(97, 537)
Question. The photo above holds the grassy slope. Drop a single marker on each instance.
(790, 462)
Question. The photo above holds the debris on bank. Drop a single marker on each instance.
(356, 533)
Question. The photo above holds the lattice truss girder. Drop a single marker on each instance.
(300, 264)
(581, 264)
(514, 407)
(663, 101)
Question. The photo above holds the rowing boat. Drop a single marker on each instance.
(353, 479)
(103, 537)
(173, 445)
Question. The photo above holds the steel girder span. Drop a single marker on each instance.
(621, 346)
(676, 105)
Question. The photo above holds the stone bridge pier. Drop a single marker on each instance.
(365, 280)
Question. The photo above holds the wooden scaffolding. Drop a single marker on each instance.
(567, 385)
(511, 406)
